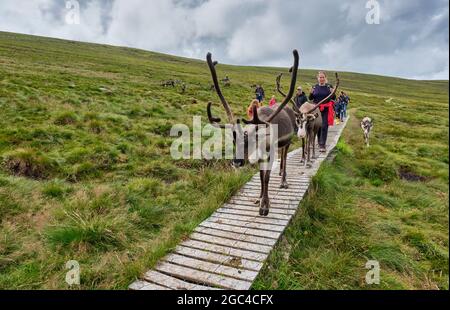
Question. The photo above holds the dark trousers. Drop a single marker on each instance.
(323, 132)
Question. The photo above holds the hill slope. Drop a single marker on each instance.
(86, 172)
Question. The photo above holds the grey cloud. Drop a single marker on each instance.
(411, 41)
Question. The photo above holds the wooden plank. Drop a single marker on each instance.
(304, 180)
(173, 283)
(276, 178)
(242, 230)
(235, 236)
(255, 208)
(292, 186)
(254, 218)
(250, 255)
(237, 273)
(246, 224)
(202, 277)
(231, 243)
(274, 205)
(140, 285)
(252, 213)
(279, 202)
(274, 200)
(221, 259)
(276, 184)
(279, 195)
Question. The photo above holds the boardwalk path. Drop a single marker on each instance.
(227, 250)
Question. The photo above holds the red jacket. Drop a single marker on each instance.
(330, 106)
(272, 102)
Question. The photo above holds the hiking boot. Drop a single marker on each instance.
(322, 149)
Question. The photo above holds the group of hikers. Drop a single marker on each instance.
(335, 108)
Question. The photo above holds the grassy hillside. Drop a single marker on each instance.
(86, 172)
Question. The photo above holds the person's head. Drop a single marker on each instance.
(299, 90)
(322, 78)
(273, 97)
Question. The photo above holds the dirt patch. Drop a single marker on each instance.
(405, 173)
(28, 163)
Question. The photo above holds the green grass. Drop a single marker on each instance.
(86, 172)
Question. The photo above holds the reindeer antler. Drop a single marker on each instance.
(225, 104)
(287, 98)
(278, 81)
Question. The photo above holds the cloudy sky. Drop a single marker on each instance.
(411, 39)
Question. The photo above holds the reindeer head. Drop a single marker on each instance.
(240, 133)
(302, 120)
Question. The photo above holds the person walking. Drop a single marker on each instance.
(346, 99)
(259, 92)
(319, 92)
(300, 97)
(256, 103)
(273, 102)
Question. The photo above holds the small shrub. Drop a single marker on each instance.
(66, 118)
(96, 126)
(375, 169)
(162, 170)
(343, 148)
(55, 189)
(83, 170)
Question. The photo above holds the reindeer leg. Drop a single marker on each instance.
(310, 140)
(302, 161)
(264, 205)
(314, 145)
(261, 178)
(282, 162)
(284, 183)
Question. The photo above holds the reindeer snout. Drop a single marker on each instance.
(301, 133)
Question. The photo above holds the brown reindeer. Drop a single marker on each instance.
(308, 121)
(283, 117)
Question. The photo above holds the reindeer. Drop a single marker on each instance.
(226, 81)
(366, 125)
(168, 83)
(283, 117)
(308, 121)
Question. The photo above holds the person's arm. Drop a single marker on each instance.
(312, 94)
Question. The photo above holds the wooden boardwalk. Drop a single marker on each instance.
(227, 250)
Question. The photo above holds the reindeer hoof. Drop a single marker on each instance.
(264, 211)
(284, 185)
(257, 201)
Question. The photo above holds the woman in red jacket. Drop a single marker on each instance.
(319, 92)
